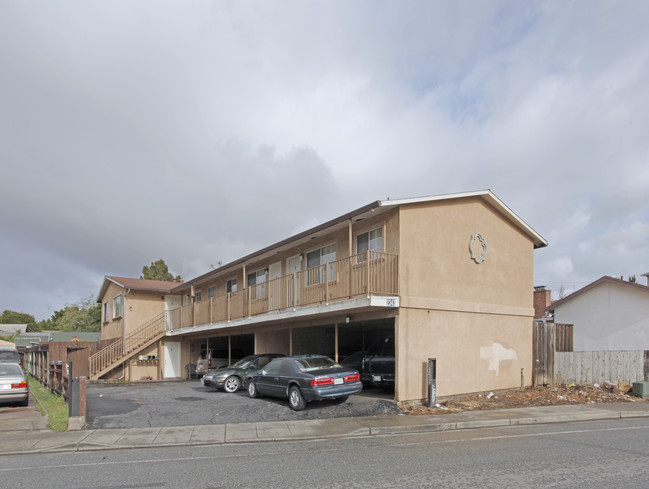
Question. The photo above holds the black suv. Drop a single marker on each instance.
(378, 363)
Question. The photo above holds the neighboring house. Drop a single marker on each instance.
(26, 340)
(10, 329)
(608, 314)
(451, 277)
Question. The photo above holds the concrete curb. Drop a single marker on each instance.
(304, 430)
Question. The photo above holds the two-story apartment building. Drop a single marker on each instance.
(450, 277)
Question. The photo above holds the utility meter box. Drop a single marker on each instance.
(641, 389)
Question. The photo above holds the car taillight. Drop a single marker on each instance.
(209, 362)
(353, 378)
(322, 381)
(22, 385)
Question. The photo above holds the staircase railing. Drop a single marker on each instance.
(124, 347)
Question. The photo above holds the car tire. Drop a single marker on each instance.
(295, 399)
(25, 402)
(252, 390)
(232, 384)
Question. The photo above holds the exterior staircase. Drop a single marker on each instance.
(125, 348)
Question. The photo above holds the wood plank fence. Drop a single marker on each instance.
(547, 339)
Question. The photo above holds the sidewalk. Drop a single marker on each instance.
(28, 436)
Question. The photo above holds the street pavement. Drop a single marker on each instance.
(29, 436)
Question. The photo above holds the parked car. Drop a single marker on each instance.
(10, 356)
(13, 384)
(304, 378)
(355, 361)
(212, 358)
(230, 379)
(378, 364)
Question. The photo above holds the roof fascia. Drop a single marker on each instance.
(104, 286)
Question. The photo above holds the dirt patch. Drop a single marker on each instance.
(530, 397)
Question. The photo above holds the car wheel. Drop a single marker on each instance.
(295, 399)
(232, 384)
(252, 390)
(25, 402)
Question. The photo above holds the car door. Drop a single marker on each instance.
(267, 379)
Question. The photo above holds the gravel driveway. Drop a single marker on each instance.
(188, 403)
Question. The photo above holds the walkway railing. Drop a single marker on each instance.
(121, 349)
(372, 272)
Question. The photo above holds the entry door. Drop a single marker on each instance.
(172, 359)
(275, 286)
(293, 265)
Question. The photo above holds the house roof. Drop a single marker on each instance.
(139, 284)
(603, 280)
(364, 212)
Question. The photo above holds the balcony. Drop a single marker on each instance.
(368, 274)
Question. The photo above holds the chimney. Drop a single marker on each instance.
(542, 299)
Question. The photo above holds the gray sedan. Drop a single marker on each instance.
(304, 378)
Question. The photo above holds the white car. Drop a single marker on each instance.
(13, 384)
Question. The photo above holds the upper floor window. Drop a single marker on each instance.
(315, 260)
(198, 296)
(231, 285)
(117, 306)
(106, 311)
(370, 241)
(257, 283)
(211, 292)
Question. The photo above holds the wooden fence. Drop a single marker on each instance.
(589, 367)
(548, 338)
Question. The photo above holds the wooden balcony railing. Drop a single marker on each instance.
(122, 348)
(372, 272)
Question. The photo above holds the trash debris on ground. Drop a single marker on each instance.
(530, 397)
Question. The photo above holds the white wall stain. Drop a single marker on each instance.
(495, 354)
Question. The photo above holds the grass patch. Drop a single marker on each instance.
(54, 404)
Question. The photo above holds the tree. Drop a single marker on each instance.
(13, 317)
(158, 270)
(83, 316)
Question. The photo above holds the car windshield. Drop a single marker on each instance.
(315, 363)
(244, 361)
(10, 371)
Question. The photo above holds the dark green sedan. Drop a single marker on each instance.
(230, 379)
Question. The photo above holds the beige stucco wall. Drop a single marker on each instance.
(474, 352)
(111, 328)
(141, 307)
(145, 369)
(273, 342)
(476, 319)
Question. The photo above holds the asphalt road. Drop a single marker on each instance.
(188, 403)
(601, 454)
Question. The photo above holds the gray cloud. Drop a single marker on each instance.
(200, 132)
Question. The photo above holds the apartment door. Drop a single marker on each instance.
(171, 354)
(275, 286)
(293, 267)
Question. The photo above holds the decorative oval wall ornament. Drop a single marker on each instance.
(478, 259)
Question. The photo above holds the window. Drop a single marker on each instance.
(198, 296)
(117, 307)
(211, 292)
(106, 311)
(315, 262)
(257, 283)
(231, 285)
(372, 241)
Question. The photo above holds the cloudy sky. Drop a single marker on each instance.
(200, 131)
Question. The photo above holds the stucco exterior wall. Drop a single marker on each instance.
(111, 327)
(273, 342)
(474, 352)
(607, 317)
(141, 307)
(475, 318)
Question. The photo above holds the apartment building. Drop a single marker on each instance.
(449, 276)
